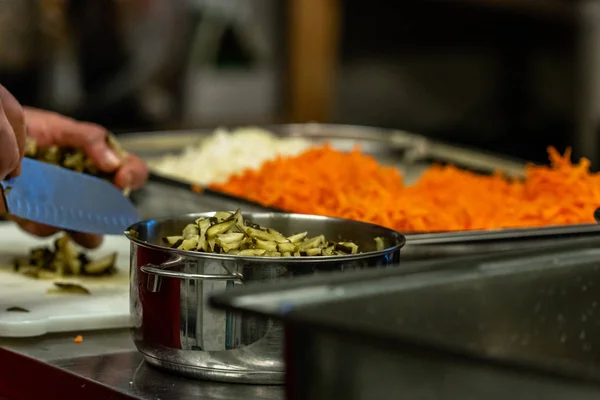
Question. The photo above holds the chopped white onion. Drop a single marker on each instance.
(224, 154)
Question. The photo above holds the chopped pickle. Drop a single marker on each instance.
(72, 158)
(228, 233)
(63, 260)
(72, 288)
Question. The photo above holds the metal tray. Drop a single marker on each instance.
(423, 246)
(163, 197)
(411, 153)
(521, 325)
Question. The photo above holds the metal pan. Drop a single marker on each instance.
(520, 325)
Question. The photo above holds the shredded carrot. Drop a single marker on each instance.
(78, 339)
(353, 185)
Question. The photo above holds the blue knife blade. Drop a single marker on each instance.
(66, 199)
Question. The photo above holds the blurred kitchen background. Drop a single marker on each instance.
(509, 76)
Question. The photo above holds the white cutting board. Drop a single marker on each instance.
(107, 307)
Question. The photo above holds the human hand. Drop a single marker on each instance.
(49, 128)
(12, 135)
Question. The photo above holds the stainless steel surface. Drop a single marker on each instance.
(58, 346)
(159, 200)
(329, 366)
(66, 199)
(441, 245)
(174, 327)
(110, 358)
(524, 323)
(127, 373)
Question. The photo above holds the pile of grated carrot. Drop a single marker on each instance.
(353, 185)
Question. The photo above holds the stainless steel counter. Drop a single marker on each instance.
(110, 359)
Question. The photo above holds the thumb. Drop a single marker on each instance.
(13, 115)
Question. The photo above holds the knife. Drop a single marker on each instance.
(66, 199)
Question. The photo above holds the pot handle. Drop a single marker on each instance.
(158, 271)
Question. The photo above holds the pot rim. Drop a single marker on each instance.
(401, 241)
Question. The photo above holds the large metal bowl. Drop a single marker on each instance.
(174, 327)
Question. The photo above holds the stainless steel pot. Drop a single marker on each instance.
(175, 328)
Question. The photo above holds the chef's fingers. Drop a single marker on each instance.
(133, 174)
(92, 139)
(12, 134)
(87, 240)
(83, 239)
(49, 128)
(35, 228)
(9, 150)
(14, 114)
